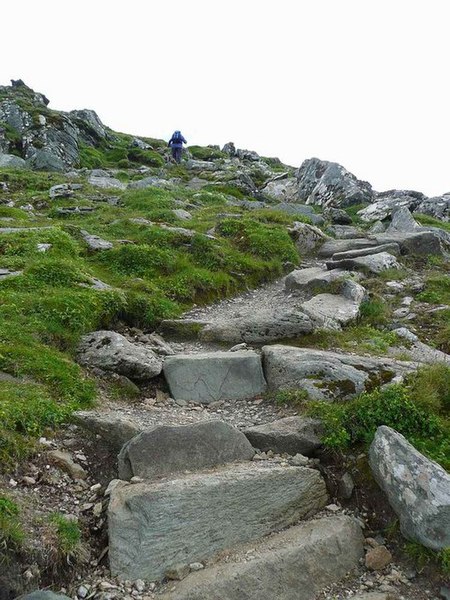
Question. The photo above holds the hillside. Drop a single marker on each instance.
(125, 279)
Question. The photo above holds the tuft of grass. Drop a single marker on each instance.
(206, 153)
(11, 532)
(425, 557)
(67, 536)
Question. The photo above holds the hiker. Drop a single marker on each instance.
(176, 143)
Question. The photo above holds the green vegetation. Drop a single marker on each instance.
(206, 153)
(67, 535)
(431, 221)
(11, 533)
(419, 409)
(424, 557)
(45, 310)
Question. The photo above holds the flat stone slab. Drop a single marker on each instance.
(292, 565)
(155, 527)
(265, 326)
(373, 263)
(330, 247)
(417, 488)
(166, 449)
(331, 311)
(212, 376)
(326, 375)
(293, 435)
(392, 248)
(113, 428)
(94, 242)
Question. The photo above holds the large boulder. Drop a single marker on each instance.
(212, 376)
(328, 184)
(283, 190)
(417, 488)
(438, 207)
(166, 449)
(10, 161)
(326, 375)
(385, 203)
(111, 351)
(402, 220)
(292, 565)
(332, 311)
(154, 527)
(293, 435)
(299, 210)
(114, 429)
(423, 243)
(330, 247)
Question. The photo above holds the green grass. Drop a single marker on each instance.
(11, 532)
(428, 220)
(206, 153)
(418, 409)
(67, 534)
(425, 557)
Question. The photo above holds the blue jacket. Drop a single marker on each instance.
(177, 143)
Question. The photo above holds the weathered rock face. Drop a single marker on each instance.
(417, 488)
(113, 352)
(293, 435)
(326, 549)
(314, 280)
(113, 428)
(212, 376)
(386, 203)
(10, 161)
(154, 527)
(330, 247)
(325, 375)
(283, 190)
(331, 311)
(328, 184)
(45, 139)
(167, 449)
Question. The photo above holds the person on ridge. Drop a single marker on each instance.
(176, 143)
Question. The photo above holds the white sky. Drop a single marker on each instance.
(361, 82)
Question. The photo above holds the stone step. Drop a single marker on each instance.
(372, 263)
(292, 565)
(211, 376)
(156, 527)
(330, 247)
(392, 248)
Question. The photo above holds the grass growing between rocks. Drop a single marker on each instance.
(11, 533)
(419, 409)
(157, 274)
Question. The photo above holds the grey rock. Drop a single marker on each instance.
(229, 149)
(387, 202)
(156, 343)
(372, 263)
(62, 190)
(328, 184)
(90, 127)
(377, 227)
(282, 190)
(422, 243)
(326, 375)
(111, 351)
(94, 242)
(106, 183)
(138, 143)
(438, 207)
(417, 488)
(314, 280)
(346, 486)
(114, 428)
(345, 232)
(306, 237)
(166, 449)
(156, 526)
(326, 549)
(331, 311)
(5, 273)
(392, 248)
(339, 217)
(291, 435)
(11, 161)
(259, 327)
(182, 214)
(208, 377)
(331, 247)
(402, 220)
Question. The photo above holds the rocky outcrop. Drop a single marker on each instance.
(165, 449)
(332, 311)
(326, 375)
(293, 435)
(328, 184)
(154, 527)
(110, 351)
(209, 377)
(370, 263)
(306, 237)
(315, 280)
(417, 488)
(293, 565)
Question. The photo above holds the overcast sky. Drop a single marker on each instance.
(361, 82)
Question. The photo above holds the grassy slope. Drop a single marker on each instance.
(44, 311)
